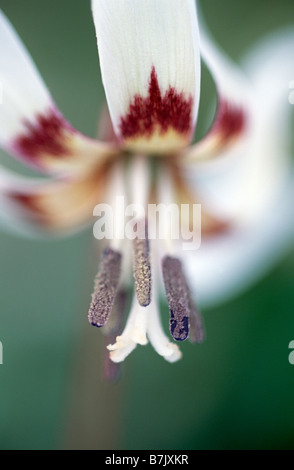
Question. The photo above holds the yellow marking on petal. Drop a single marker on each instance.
(63, 204)
(82, 154)
(157, 143)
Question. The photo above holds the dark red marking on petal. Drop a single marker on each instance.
(230, 121)
(171, 110)
(30, 203)
(45, 136)
(26, 201)
(31, 209)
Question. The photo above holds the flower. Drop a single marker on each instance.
(150, 58)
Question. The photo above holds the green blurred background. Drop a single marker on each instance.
(233, 392)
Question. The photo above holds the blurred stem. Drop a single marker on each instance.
(93, 421)
(94, 406)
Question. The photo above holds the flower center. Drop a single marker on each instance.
(146, 259)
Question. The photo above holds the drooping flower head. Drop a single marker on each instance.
(150, 57)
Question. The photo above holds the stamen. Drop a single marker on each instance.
(157, 337)
(139, 182)
(177, 296)
(106, 286)
(142, 266)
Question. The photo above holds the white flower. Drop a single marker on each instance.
(150, 54)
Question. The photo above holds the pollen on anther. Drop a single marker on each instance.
(177, 296)
(142, 267)
(106, 288)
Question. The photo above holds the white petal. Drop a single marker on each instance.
(11, 217)
(50, 205)
(135, 36)
(31, 126)
(24, 92)
(259, 193)
(245, 184)
(227, 76)
(233, 108)
(228, 265)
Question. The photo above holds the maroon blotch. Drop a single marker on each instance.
(230, 121)
(171, 110)
(44, 136)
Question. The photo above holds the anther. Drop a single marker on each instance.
(142, 265)
(106, 287)
(177, 294)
